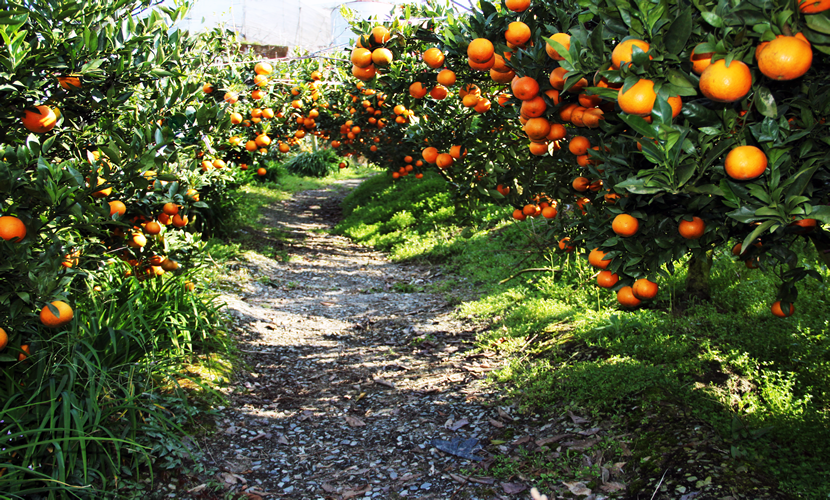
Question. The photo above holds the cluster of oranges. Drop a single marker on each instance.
(370, 54)
(441, 160)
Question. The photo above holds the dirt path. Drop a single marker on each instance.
(360, 385)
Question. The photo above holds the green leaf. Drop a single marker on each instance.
(754, 235)
(679, 32)
(819, 22)
(641, 126)
(713, 19)
(765, 102)
(685, 173)
(821, 212)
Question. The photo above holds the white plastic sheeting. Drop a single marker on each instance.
(310, 25)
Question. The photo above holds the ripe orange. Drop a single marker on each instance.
(562, 39)
(518, 214)
(251, 146)
(231, 97)
(625, 225)
(207, 88)
(721, 84)
(65, 315)
(179, 221)
(169, 265)
(581, 184)
(259, 81)
(533, 108)
(596, 259)
(693, 229)
(152, 227)
(456, 152)
(69, 82)
(644, 289)
(525, 88)
(537, 129)
(485, 66)
(805, 225)
(745, 163)
(364, 74)
(557, 78)
(549, 213)
(517, 5)
(701, 61)
(579, 145)
(260, 171)
(557, 132)
(417, 90)
(438, 92)
(12, 228)
(480, 50)
(382, 57)
(261, 140)
(530, 209)
(518, 33)
(430, 154)
(434, 58)
(137, 240)
(446, 77)
(563, 245)
(778, 311)
(607, 279)
(26, 353)
(4, 339)
(624, 50)
(41, 121)
(639, 99)
(813, 6)
(444, 160)
(263, 68)
(785, 58)
(117, 207)
(217, 163)
(380, 34)
(538, 148)
(625, 296)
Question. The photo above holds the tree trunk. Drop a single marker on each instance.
(697, 280)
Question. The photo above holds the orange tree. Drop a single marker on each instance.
(662, 130)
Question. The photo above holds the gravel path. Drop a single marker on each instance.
(358, 384)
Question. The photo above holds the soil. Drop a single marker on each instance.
(358, 382)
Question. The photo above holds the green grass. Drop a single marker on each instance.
(568, 342)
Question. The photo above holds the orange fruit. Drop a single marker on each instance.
(12, 228)
(813, 6)
(380, 34)
(533, 108)
(69, 82)
(260, 171)
(581, 184)
(517, 5)
(485, 66)
(537, 129)
(549, 212)
(644, 289)
(169, 265)
(778, 311)
(231, 97)
(563, 245)
(721, 84)
(4, 339)
(259, 81)
(805, 225)
(701, 61)
(26, 353)
(745, 163)
(525, 88)
(639, 99)
(446, 77)
(434, 58)
(596, 259)
(624, 50)
(538, 148)
(261, 140)
(518, 214)
(152, 227)
(557, 132)
(562, 39)
(41, 121)
(430, 154)
(364, 74)
(579, 145)
(785, 58)
(179, 221)
(263, 68)
(456, 152)
(557, 78)
(625, 225)
(693, 229)
(444, 160)
(480, 50)
(65, 315)
(438, 92)
(382, 57)
(207, 88)
(607, 279)
(625, 296)
(137, 240)
(518, 33)
(117, 207)
(417, 90)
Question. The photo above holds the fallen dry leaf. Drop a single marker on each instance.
(552, 439)
(354, 493)
(458, 424)
(496, 423)
(482, 480)
(282, 440)
(503, 414)
(577, 488)
(327, 304)
(612, 487)
(581, 445)
(513, 488)
(521, 440)
(329, 488)
(576, 419)
(457, 478)
(354, 421)
(384, 382)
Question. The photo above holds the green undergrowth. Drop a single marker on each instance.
(761, 381)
